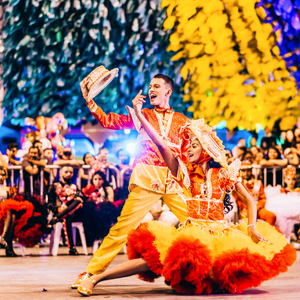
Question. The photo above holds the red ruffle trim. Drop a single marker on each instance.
(140, 245)
(31, 236)
(237, 271)
(8, 204)
(187, 266)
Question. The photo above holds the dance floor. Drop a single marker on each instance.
(38, 276)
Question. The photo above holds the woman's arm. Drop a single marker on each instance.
(163, 148)
(273, 162)
(110, 194)
(244, 195)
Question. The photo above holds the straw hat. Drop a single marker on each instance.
(98, 79)
(209, 141)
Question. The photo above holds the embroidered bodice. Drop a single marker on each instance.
(206, 197)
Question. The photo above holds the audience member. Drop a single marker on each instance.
(297, 135)
(285, 202)
(125, 171)
(256, 189)
(65, 201)
(289, 140)
(65, 158)
(268, 140)
(32, 165)
(99, 213)
(248, 156)
(110, 173)
(12, 160)
(89, 160)
(241, 144)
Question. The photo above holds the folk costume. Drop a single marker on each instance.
(207, 253)
(150, 180)
(256, 189)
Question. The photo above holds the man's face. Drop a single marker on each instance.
(13, 152)
(159, 92)
(246, 174)
(40, 147)
(103, 155)
(33, 153)
(67, 174)
(123, 157)
(60, 151)
(49, 153)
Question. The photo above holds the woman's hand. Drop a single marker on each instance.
(138, 102)
(255, 235)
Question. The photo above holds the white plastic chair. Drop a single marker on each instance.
(56, 233)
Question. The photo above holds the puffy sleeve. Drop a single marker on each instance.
(111, 120)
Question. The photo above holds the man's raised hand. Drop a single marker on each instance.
(84, 89)
(138, 102)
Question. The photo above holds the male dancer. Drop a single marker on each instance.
(150, 179)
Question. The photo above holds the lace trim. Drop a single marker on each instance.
(164, 132)
(186, 178)
(233, 170)
(136, 121)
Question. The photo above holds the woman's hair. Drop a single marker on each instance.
(105, 182)
(278, 152)
(227, 203)
(4, 169)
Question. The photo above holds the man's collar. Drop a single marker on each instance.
(164, 110)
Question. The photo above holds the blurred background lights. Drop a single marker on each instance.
(131, 147)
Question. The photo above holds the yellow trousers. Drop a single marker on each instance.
(138, 204)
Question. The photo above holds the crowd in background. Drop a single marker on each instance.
(92, 189)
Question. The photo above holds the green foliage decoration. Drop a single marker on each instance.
(51, 45)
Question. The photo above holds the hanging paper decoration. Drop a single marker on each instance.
(233, 66)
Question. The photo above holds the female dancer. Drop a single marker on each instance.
(207, 253)
(17, 219)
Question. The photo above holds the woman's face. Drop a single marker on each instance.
(259, 156)
(97, 181)
(273, 154)
(254, 150)
(290, 135)
(89, 158)
(290, 181)
(195, 151)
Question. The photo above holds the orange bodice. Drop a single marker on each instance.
(207, 198)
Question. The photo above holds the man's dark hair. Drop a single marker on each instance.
(12, 146)
(36, 142)
(168, 80)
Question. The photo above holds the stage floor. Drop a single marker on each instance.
(24, 278)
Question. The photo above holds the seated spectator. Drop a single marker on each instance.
(125, 171)
(268, 140)
(248, 156)
(273, 159)
(65, 201)
(289, 142)
(285, 202)
(89, 160)
(161, 213)
(229, 157)
(108, 168)
(256, 189)
(291, 155)
(254, 150)
(65, 158)
(99, 213)
(32, 166)
(297, 135)
(236, 151)
(12, 160)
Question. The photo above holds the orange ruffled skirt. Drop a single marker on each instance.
(26, 237)
(210, 256)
